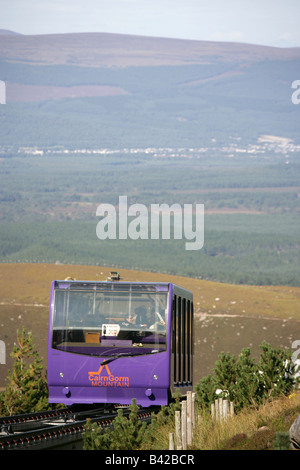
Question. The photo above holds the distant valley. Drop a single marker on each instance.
(91, 117)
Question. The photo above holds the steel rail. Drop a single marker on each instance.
(51, 434)
(11, 424)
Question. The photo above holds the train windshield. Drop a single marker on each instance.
(109, 319)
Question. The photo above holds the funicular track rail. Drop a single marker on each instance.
(56, 429)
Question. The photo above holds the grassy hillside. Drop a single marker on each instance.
(227, 317)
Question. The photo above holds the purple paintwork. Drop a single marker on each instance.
(76, 375)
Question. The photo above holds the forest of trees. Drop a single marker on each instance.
(251, 225)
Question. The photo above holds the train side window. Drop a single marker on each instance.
(179, 343)
(189, 341)
(182, 339)
(174, 338)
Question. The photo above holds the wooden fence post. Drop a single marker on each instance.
(171, 441)
(178, 431)
(183, 424)
(216, 410)
(225, 409)
(220, 400)
(212, 411)
(222, 409)
(189, 423)
(194, 409)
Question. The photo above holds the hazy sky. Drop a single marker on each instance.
(269, 22)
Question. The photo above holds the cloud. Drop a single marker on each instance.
(270, 22)
(286, 36)
(230, 36)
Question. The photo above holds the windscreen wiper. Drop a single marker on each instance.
(112, 358)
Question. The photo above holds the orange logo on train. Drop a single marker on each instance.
(104, 378)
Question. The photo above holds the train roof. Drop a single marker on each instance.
(77, 283)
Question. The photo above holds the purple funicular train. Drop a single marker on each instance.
(110, 342)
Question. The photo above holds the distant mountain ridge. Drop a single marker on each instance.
(114, 90)
(120, 50)
(8, 32)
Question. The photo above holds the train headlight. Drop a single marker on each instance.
(67, 392)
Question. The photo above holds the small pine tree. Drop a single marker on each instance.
(276, 371)
(94, 437)
(247, 389)
(226, 374)
(127, 433)
(206, 390)
(27, 390)
(247, 383)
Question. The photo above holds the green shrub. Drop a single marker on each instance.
(126, 434)
(27, 390)
(282, 441)
(248, 383)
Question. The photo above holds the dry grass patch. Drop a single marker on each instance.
(30, 283)
(250, 429)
